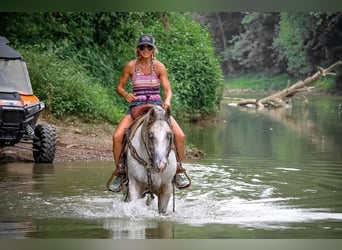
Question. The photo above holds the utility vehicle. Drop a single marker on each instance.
(20, 108)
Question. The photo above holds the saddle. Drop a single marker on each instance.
(138, 111)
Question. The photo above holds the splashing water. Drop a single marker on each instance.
(224, 195)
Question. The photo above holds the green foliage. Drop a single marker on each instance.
(265, 82)
(259, 82)
(275, 42)
(252, 48)
(194, 71)
(326, 83)
(94, 46)
(251, 17)
(294, 31)
(66, 88)
(321, 16)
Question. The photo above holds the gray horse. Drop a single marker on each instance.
(151, 158)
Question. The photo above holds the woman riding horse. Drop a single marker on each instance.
(146, 74)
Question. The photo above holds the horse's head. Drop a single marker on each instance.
(158, 136)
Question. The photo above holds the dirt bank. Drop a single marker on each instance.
(77, 141)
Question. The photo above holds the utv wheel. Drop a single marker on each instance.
(44, 143)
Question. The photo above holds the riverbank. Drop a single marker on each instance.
(77, 140)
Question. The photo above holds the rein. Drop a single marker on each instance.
(135, 154)
(145, 164)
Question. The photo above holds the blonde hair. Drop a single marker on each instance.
(153, 58)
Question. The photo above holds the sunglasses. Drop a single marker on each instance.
(143, 46)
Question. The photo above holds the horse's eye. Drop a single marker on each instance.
(150, 135)
(169, 135)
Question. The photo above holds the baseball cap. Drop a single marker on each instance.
(146, 39)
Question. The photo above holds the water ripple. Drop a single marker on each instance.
(217, 197)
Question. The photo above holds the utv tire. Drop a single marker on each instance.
(44, 143)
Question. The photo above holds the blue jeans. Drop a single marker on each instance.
(137, 103)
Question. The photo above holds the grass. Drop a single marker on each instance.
(263, 82)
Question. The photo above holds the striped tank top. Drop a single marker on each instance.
(146, 88)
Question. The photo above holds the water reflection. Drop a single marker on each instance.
(301, 125)
(281, 134)
(131, 229)
(16, 182)
(25, 176)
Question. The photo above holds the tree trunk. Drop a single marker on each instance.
(220, 25)
(283, 97)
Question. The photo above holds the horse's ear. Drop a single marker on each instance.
(168, 113)
(152, 116)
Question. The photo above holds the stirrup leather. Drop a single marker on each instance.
(180, 168)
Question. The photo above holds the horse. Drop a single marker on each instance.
(151, 160)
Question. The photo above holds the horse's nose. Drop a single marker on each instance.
(161, 164)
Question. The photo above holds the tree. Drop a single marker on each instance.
(286, 42)
(252, 48)
(325, 44)
(224, 26)
(292, 41)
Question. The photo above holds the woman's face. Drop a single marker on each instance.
(145, 50)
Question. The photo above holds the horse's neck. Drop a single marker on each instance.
(139, 144)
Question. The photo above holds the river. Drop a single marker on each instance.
(265, 174)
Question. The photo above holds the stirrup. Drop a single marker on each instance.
(186, 184)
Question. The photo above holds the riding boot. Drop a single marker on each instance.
(180, 181)
(120, 177)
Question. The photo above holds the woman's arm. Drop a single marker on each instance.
(162, 71)
(120, 89)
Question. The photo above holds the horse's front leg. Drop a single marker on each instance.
(134, 190)
(164, 197)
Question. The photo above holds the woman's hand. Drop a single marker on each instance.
(166, 105)
(129, 97)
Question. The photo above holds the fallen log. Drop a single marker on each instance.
(283, 97)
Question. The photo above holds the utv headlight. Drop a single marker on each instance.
(33, 109)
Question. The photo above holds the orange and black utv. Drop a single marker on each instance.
(20, 108)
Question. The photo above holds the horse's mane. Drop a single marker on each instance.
(156, 113)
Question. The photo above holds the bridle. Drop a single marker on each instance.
(148, 143)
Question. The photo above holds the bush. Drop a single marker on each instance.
(194, 71)
(66, 88)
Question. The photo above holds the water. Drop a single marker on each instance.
(264, 175)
